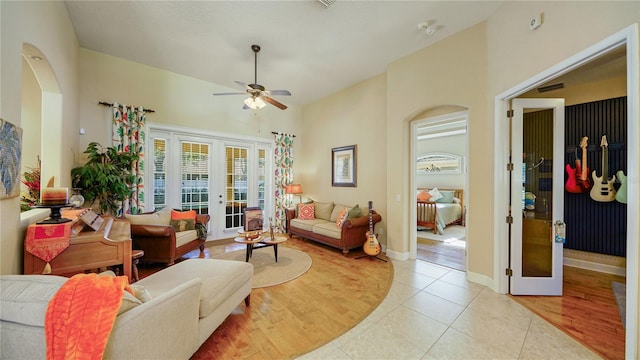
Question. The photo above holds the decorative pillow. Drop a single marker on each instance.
(354, 212)
(424, 196)
(182, 215)
(310, 201)
(306, 211)
(447, 197)
(337, 210)
(342, 218)
(435, 194)
(183, 224)
(456, 200)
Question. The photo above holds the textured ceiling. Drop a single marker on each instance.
(307, 48)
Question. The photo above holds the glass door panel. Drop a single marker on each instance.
(537, 180)
(235, 185)
(195, 173)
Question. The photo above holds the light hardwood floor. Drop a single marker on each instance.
(293, 318)
(587, 311)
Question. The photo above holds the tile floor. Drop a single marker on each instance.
(432, 312)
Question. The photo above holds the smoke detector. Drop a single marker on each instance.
(429, 29)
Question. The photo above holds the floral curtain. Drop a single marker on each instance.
(128, 135)
(283, 176)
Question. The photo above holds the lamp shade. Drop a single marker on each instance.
(254, 103)
(294, 189)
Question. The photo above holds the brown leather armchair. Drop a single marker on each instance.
(161, 243)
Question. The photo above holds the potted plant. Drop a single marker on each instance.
(105, 178)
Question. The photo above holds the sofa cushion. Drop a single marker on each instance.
(329, 229)
(183, 237)
(24, 298)
(220, 279)
(324, 210)
(162, 217)
(305, 224)
(306, 211)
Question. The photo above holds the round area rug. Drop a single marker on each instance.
(266, 271)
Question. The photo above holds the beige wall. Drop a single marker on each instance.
(353, 116)
(46, 26)
(31, 124)
(176, 99)
(417, 83)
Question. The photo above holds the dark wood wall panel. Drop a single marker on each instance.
(593, 226)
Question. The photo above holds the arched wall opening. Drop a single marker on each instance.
(439, 114)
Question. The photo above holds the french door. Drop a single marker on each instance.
(219, 177)
(537, 196)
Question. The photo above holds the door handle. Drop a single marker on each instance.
(561, 231)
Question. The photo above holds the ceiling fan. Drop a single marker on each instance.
(258, 95)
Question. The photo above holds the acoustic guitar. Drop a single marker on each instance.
(371, 246)
(578, 179)
(603, 190)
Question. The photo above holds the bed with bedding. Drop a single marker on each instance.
(438, 208)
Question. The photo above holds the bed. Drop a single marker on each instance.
(438, 215)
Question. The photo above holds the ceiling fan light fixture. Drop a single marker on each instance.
(254, 103)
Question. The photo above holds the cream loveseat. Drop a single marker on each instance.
(188, 301)
(164, 239)
(324, 227)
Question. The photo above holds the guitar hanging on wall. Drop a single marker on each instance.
(371, 246)
(578, 179)
(621, 194)
(603, 190)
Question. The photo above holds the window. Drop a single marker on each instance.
(194, 169)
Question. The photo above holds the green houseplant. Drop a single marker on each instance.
(105, 177)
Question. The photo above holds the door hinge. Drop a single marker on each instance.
(509, 219)
(508, 272)
(509, 113)
(510, 167)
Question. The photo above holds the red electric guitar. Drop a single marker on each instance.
(578, 179)
(371, 246)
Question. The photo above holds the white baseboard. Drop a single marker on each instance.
(594, 266)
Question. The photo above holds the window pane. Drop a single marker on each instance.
(194, 169)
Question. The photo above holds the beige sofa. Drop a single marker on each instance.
(324, 229)
(188, 302)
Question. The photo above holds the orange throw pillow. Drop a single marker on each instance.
(183, 215)
(342, 218)
(307, 211)
(424, 196)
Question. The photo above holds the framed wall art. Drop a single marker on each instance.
(10, 157)
(343, 166)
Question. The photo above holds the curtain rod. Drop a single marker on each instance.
(103, 103)
(277, 133)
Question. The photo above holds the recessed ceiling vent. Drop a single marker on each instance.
(326, 3)
(551, 87)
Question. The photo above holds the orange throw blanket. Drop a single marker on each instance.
(81, 314)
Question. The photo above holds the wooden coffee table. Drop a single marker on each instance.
(259, 243)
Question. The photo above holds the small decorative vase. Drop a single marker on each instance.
(77, 200)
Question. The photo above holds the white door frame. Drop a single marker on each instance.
(628, 37)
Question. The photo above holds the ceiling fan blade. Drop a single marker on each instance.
(234, 93)
(279, 92)
(275, 103)
(242, 85)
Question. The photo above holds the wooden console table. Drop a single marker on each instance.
(88, 250)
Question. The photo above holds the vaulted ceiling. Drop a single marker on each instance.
(307, 48)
